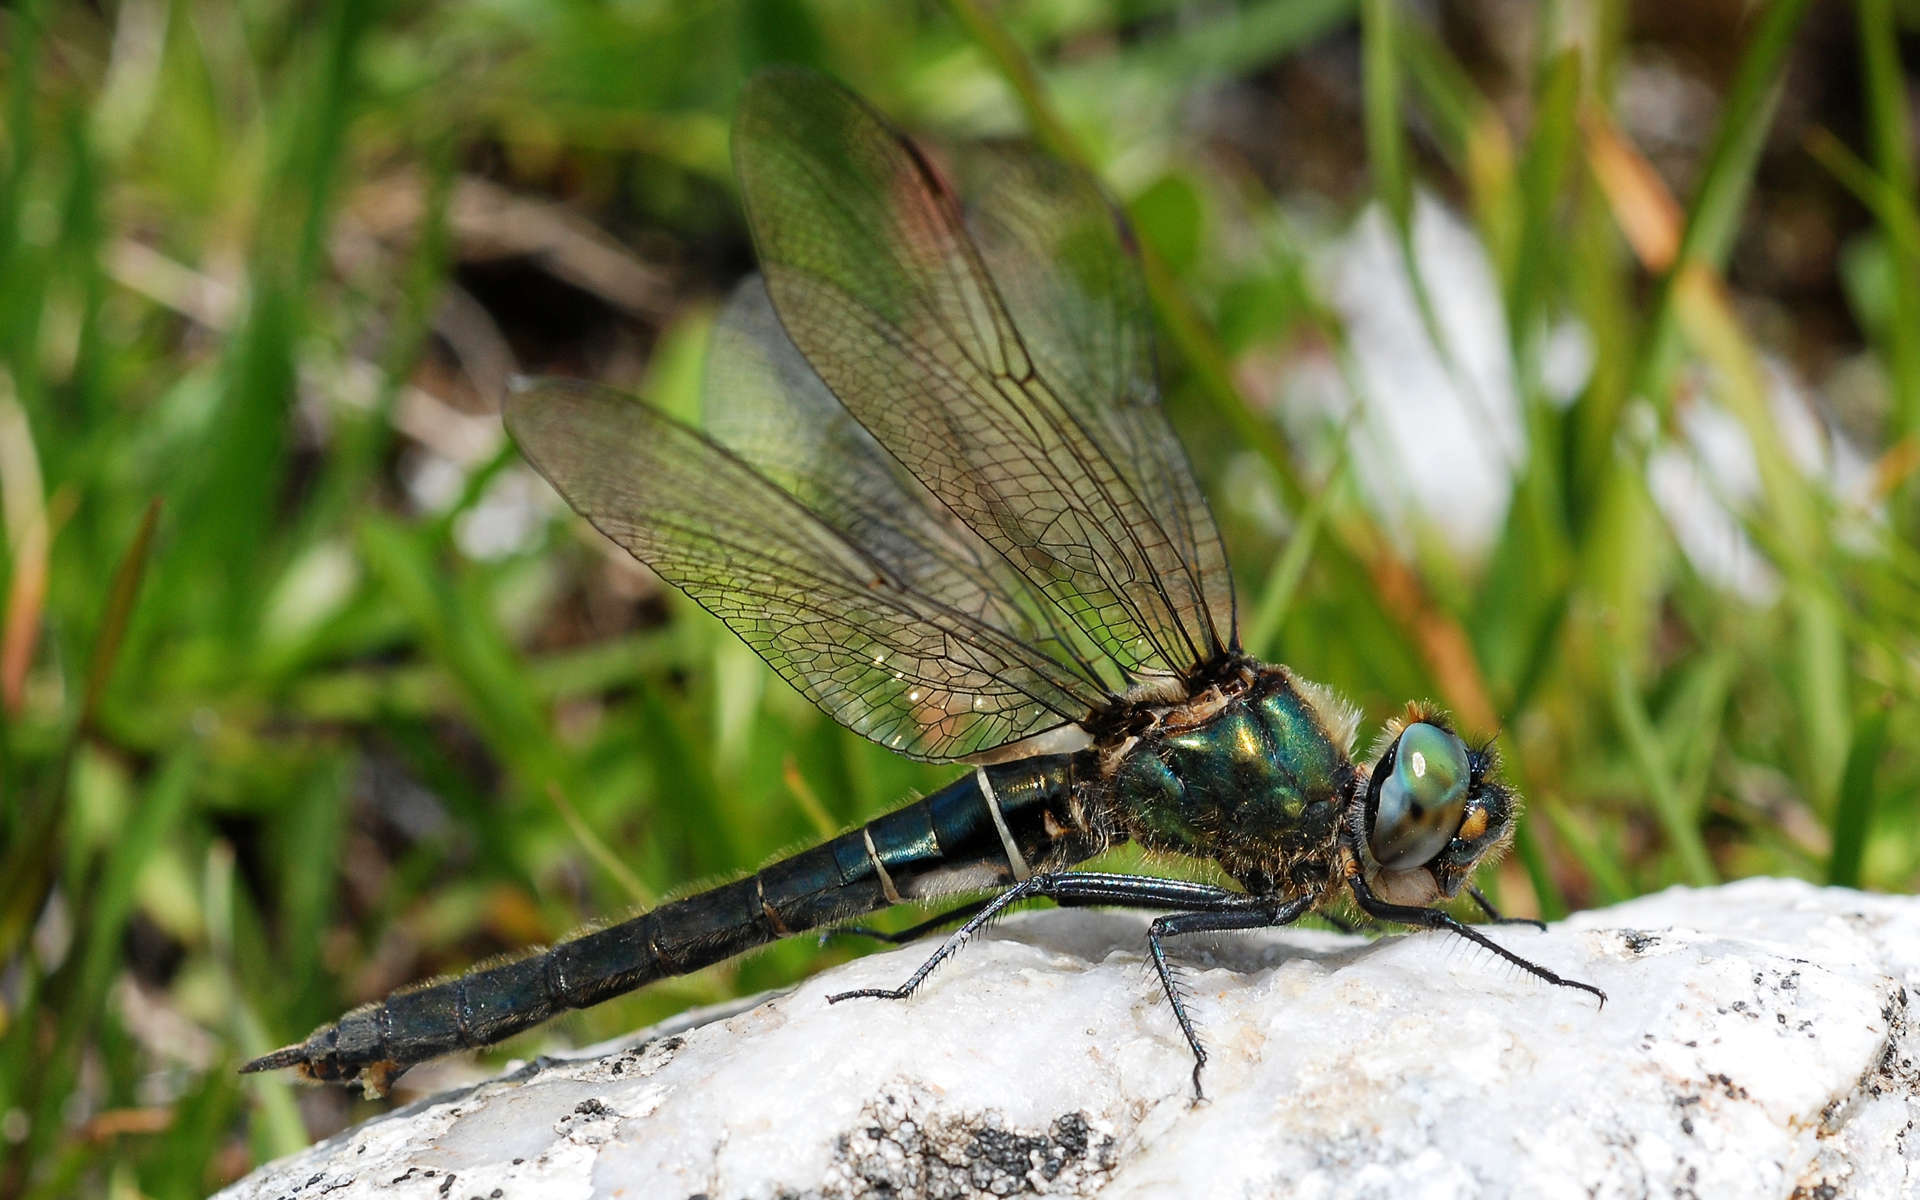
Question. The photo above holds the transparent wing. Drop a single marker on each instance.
(908, 660)
(1066, 267)
(765, 404)
(1004, 363)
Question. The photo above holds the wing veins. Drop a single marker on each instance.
(999, 417)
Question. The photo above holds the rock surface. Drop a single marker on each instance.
(1757, 1042)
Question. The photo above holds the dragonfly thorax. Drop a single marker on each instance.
(1253, 774)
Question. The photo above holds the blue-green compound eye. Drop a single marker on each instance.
(1422, 801)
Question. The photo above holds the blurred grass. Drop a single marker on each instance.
(357, 703)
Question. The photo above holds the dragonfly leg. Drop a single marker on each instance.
(1433, 918)
(1197, 908)
(912, 933)
(1261, 913)
(1493, 914)
(1026, 889)
(1069, 889)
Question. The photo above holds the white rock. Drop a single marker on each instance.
(1757, 1041)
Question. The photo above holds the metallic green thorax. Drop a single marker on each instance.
(1255, 786)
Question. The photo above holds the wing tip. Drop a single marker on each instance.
(530, 395)
(515, 403)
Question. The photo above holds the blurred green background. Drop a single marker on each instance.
(1558, 362)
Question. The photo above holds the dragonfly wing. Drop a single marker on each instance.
(941, 349)
(875, 652)
(764, 403)
(1066, 265)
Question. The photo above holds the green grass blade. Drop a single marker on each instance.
(1674, 811)
(1886, 90)
(1380, 87)
(1853, 822)
(1714, 215)
(77, 992)
(1712, 220)
(30, 860)
(1271, 604)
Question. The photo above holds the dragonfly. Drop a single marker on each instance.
(937, 492)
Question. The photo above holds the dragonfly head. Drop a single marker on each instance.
(1435, 808)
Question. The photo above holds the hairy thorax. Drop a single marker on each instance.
(1251, 773)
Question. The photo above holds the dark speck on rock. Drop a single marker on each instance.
(1071, 1132)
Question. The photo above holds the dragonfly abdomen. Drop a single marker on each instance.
(986, 830)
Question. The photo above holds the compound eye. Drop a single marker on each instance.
(1422, 800)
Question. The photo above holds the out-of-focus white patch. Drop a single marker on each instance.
(312, 590)
(1437, 436)
(1708, 533)
(1566, 362)
(505, 520)
(432, 481)
(1664, 107)
(1436, 446)
(1708, 482)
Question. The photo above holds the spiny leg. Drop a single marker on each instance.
(1433, 918)
(914, 933)
(1200, 908)
(1259, 912)
(1493, 914)
(910, 934)
(1024, 890)
(1068, 888)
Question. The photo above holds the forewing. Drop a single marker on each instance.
(1067, 268)
(764, 403)
(877, 281)
(886, 660)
